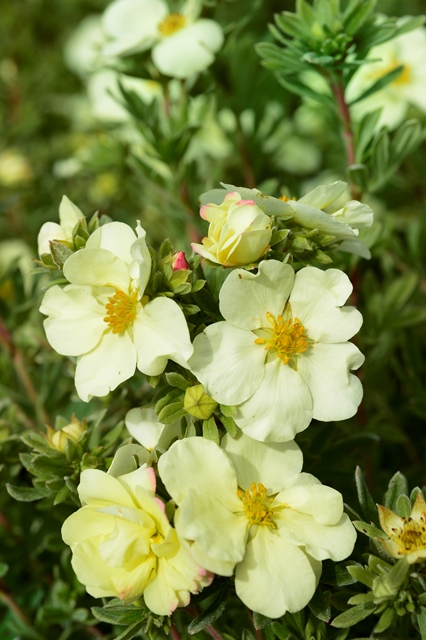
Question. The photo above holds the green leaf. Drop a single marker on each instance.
(300, 89)
(407, 24)
(198, 285)
(153, 380)
(228, 411)
(366, 502)
(60, 252)
(121, 615)
(421, 621)
(336, 575)
(4, 568)
(62, 495)
(130, 632)
(27, 494)
(172, 413)
(280, 631)
(380, 155)
(362, 575)
(166, 249)
(170, 397)
(369, 530)
(210, 430)
(386, 619)
(320, 605)
(35, 441)
(354, 615)
(176, 380)
(229, 425)
(400, 291)
(358, 174)
(407, 138)
(397, 574)
(403, 506)
(364, 133)
(260, 621)
(212, 613)
(398, 485)
(361, 598)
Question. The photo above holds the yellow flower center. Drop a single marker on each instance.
(411, 536)
(172, 23)
(403, 78)
(287, 338)
(284, 198)
(121, 310)
(257, 505)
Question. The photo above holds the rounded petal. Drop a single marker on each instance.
(306, 494)
(313, 218)
(316, 300)
(269, 463)
(141, 254)
(75, 324)
(132, 25)
(69, 214)
(98, 489)
(105, 367)
(143, 426)
(86, 523)
(189, 50)
(245, 298)
(324, 195)
(50, 231)
(98, 268)
(228, 363)
(199, 463)
(336, 393)
(275, 576)
(116, 237)
(160, 333)
(280, 408)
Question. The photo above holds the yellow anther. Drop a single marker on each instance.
(172, 23)
(287, 338)
(257, 505)
(121, 310)
(411, 536)
(286, 199)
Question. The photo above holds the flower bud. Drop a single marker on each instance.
(57, 439)
(198, 403)
(179, 261)
(239, 232)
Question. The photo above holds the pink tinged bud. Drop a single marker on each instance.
(203, 211)
(180, 261)
(249, 202)
(232, 195)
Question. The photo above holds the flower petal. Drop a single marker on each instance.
(86, 523)
(69, 214)
(141, 254)
(245, 298)
(306, 494)
(189, 50)
(280, 408)
(143, 426)
(97, 267)
(269, 463)
(50, 231)
(116, 237)
(324, 195)
(238, 379)
(98, 489)
(75, 324)
(275, 576)
(101, 370)
(133, 25)
(336, 393)
(161, 333)
(316, 300)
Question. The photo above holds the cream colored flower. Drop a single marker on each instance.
(144, 427)
(282, 355)
(247, 507)
(409, 88)
(103, 317)
(123, 544)
(407, 537)
(239, 232)
(181, 43)
(69, 216)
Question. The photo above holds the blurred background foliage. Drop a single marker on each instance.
(51, 144)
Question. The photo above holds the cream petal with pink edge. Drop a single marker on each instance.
(160, 333)
(228, 363)
(132, 25)
(116, 237)
(189, 50)
(75, 324)
(280, 408)
(109, 364)
(325, 368)
(98, 489)
(275, 576)
(98, 268)
(144, 478)
(245, 298)
(316, 301)
(269, 463)
(208, 464)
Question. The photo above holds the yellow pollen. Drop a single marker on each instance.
(287, 338)
(121, 310)
(411, 536)
(286, 199)
(172, 23)
(257, 505)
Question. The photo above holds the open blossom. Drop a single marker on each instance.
(407, 537)
(103, 317)
(239, 232)
(143, 425)
(181, 43)
(409, 88)
(317, 209)
(69, 215)
(282, 355)
(124, 546)
(247, 507)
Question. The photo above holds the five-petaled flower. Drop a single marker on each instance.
(282, 354)
(247, 506)
(407, 536)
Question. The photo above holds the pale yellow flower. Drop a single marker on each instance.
(407, 537)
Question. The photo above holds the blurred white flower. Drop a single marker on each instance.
(182, 45)
(83, 49)
(409, 88)
(15, 168)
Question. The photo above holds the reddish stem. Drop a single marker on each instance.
(348, 135)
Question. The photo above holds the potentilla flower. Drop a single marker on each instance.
(317, 209)
(124, 546)
(407, 536)
(143, 425)
(181, 44)
(282, 355)
(103, 317)
(408, 51)
(239, 232)
(248, 507)
(69, 215)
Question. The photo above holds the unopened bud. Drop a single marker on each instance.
(179, 261)
(198, 403)
(57, 439)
